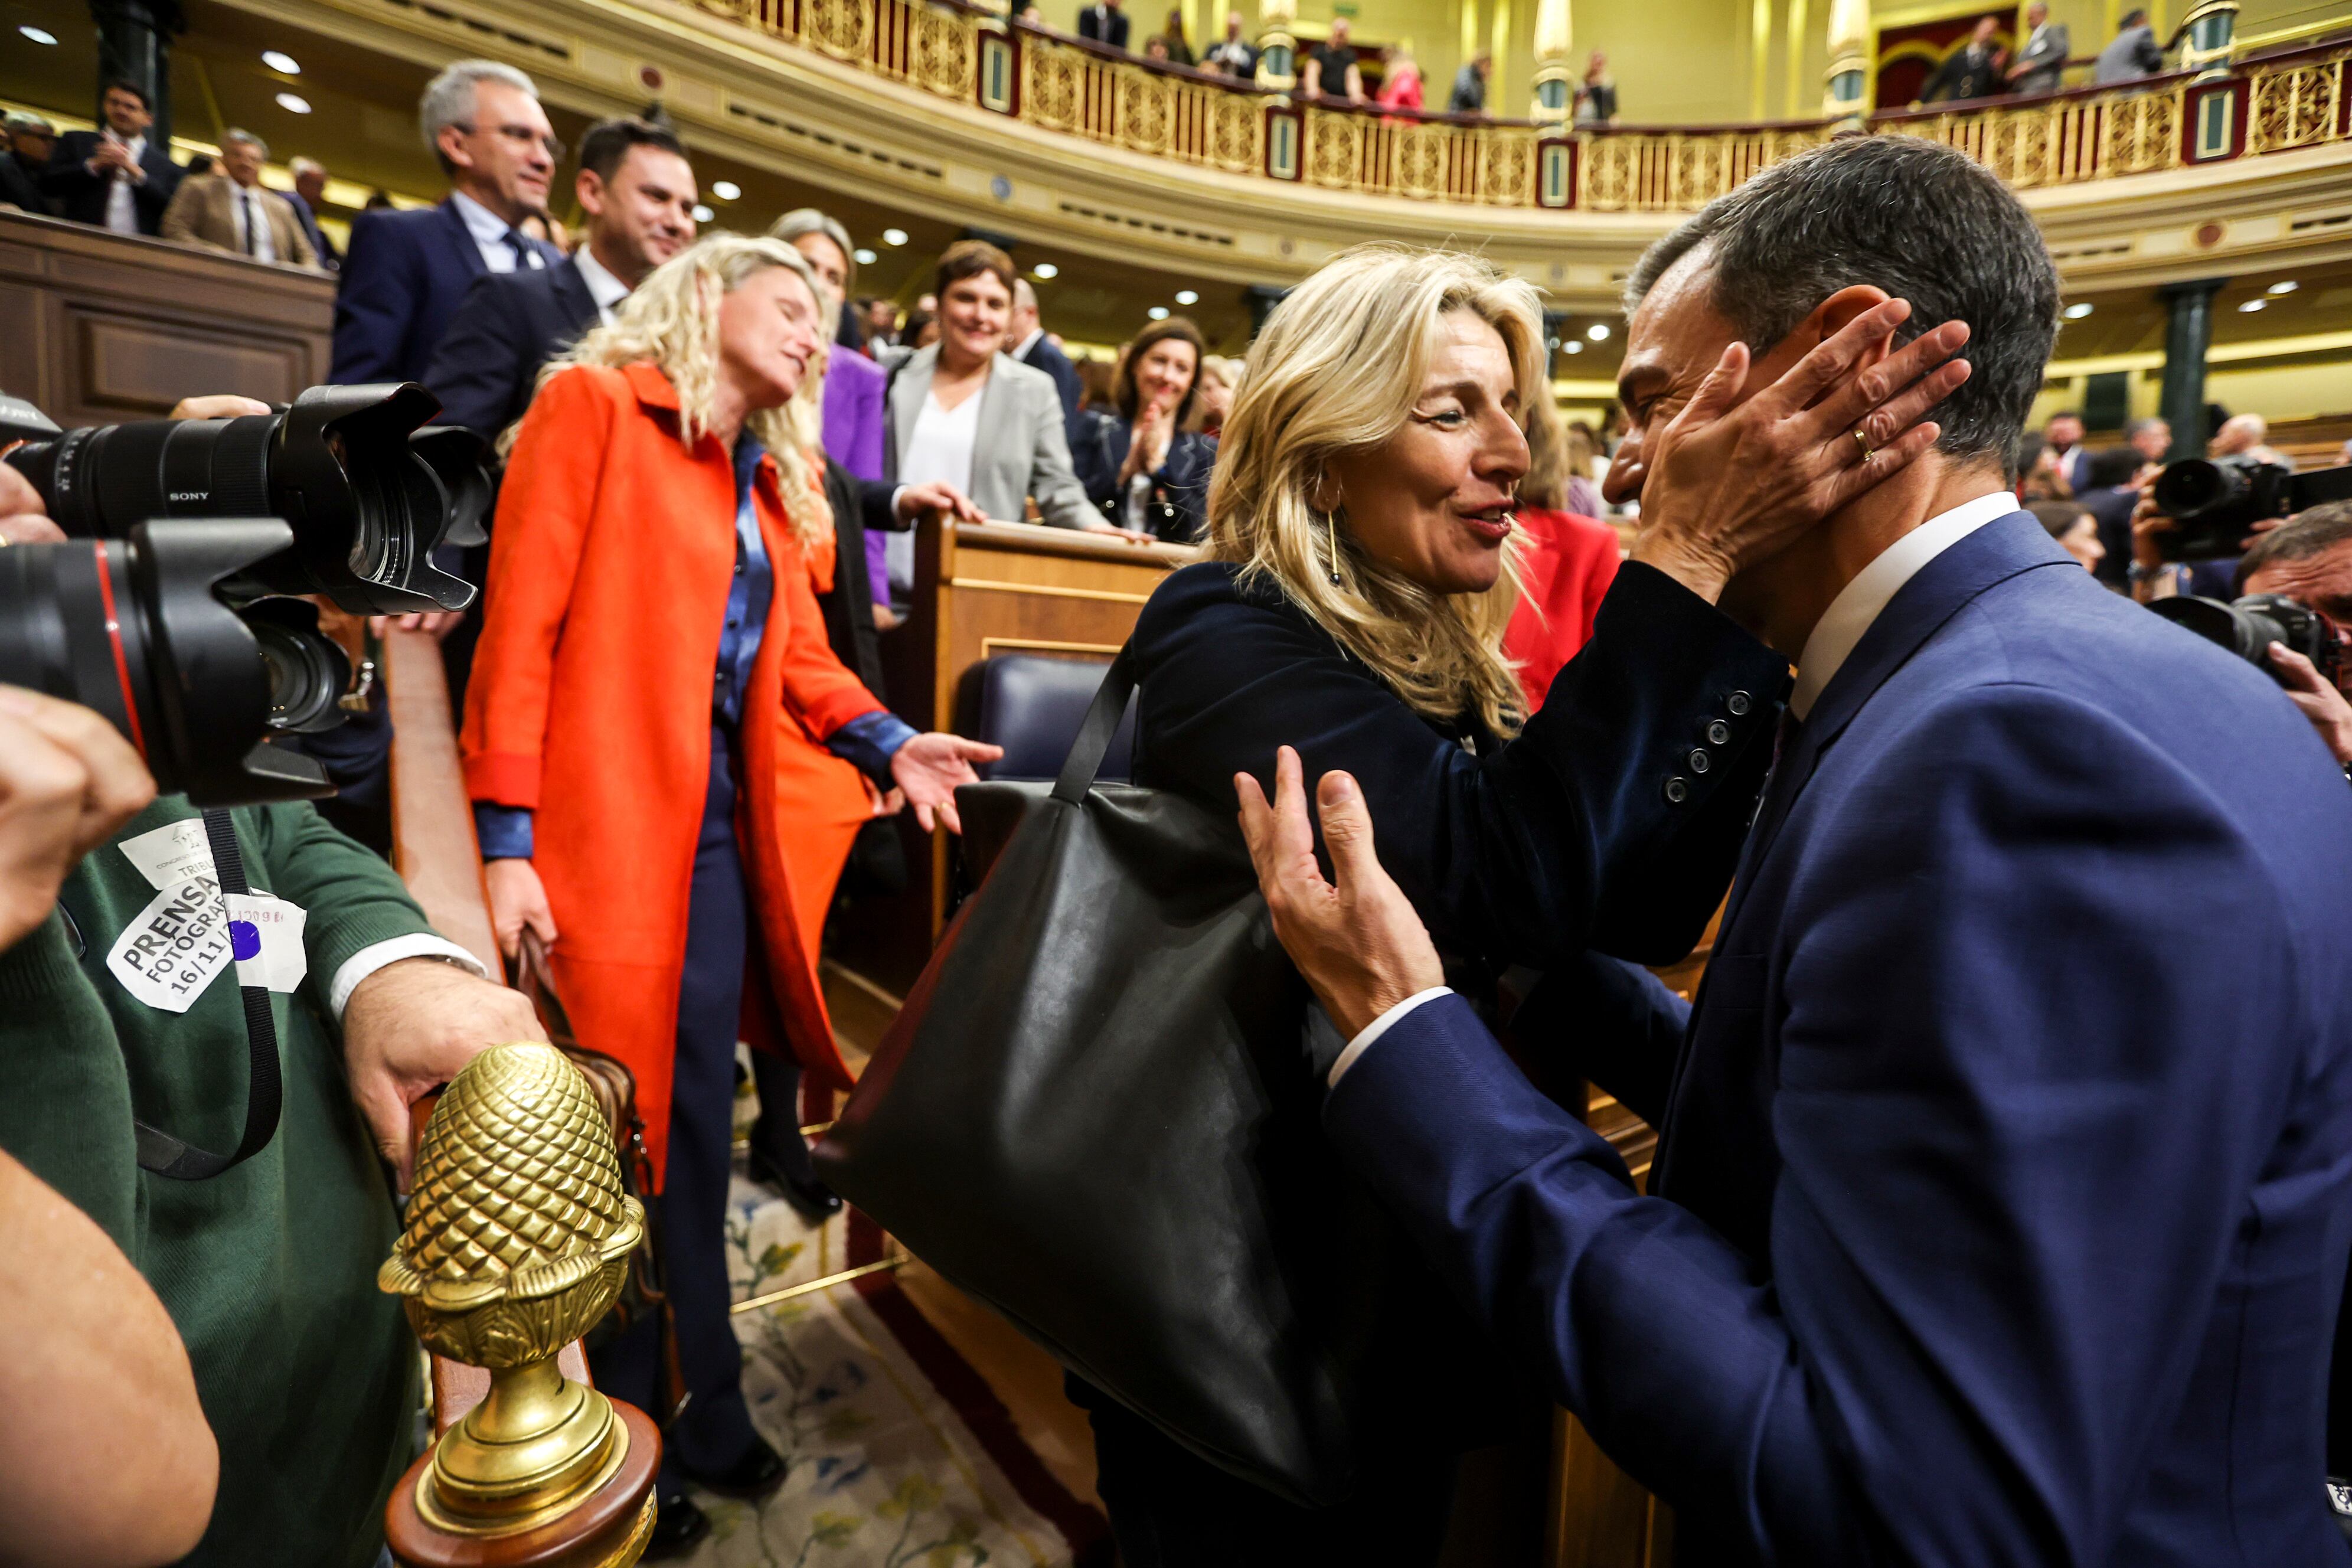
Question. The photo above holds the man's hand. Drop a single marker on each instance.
(518, 898)
(67, 780)
(23, 519)
(928, 769)
(2317, 697)
(409, 1029)
(217, 405)
(936, 495)
(1359, 943)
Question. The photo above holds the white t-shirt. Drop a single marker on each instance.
(940, 448)
(122, 207)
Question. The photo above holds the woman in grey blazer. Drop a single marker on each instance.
(963, 413)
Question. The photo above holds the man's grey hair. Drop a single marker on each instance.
(301, 166)
(810, 220)
(2133, 431)
(245, 139)
(25, 121)
(1916, 219)
(450, 98)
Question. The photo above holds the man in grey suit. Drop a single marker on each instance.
(2132, 54)
(965, 413)
(2040, 63)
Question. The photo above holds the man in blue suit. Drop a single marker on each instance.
(117, 176)
(1025, 341)
(408, 272)
(2000, 1213)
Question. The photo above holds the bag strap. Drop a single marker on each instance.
(1099, 730)
(531, 974)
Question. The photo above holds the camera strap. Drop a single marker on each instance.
(182, 1162)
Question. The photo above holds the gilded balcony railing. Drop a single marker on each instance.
(2286, 99)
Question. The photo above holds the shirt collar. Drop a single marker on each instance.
(487, 226)
(1022, 348)
(1859, 602)
(602, 287)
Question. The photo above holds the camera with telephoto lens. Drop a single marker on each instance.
(172, 610)
(2217, 502)
(2250, 625)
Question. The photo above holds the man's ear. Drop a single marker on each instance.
(1833, 314)
(452, 143)
(590, 192)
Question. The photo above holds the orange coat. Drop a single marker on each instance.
(590, 703)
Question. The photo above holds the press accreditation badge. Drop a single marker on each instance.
(171, 854)
(265, 937)
(174, 947)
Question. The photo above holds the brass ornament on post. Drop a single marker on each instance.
(1555, 80)
(517, 1239)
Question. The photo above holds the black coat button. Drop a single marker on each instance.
(1677, 791)
(1718, 733)
(1737, 704)
(1700, 760)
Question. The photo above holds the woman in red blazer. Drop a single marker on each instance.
(667, 761)
(1567, 560)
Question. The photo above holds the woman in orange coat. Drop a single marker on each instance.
(667, 761)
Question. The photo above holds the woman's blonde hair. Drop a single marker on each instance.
(671, 321)
(1338, 368)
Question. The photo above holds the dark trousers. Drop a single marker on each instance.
(1170, 1510)
(714, 1429)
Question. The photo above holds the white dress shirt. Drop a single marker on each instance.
(938, 449)
(602, 287)
(252, 224)
(1834, 638)
(1858, 603)
(121, 208)
(1022, 352)
(489, 231)
(368, 960)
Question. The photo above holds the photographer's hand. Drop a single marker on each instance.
(410, 1027)
(23, 519)
(2321, 703)
(67, 780)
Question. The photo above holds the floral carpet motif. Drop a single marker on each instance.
(887, 1471)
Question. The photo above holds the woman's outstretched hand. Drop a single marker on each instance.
(928, 767)
(1359, 943)
(1728, 485)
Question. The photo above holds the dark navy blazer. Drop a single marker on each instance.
(1098, 444)
(485, 367)
(2002, 1211)
(403, 277)
(1612, 818)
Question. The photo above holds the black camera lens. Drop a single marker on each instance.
(2250, 625)
(342, 465)
(139, 630)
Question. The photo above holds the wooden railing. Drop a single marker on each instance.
(957, 51)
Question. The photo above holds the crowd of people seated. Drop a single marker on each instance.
(2001, 1212)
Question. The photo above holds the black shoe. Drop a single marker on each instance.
(679, 1526)
(816, 1202)
(760, 1471)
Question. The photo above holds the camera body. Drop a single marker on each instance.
(175, 610)
(2248, 628)
(2216, 502)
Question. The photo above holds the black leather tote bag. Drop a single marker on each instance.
(1095, 1114)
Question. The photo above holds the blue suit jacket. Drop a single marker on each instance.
(1098, 444)
(2000, 1211)
(402, 280)
(486, 365)
(1043, 355)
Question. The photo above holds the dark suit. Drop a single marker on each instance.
(81, 195)
(404, 278)
(1965, 74)
(329, 256)
(1043, 355)
(1098, 444)
(21, 187)
(511, 323)
(2001, 1209)
(1104, 24)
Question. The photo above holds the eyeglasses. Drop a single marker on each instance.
(521, 136)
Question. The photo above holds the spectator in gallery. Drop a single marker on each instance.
(1971, 71)
(1179, 47)
(1331, 68)
(230, 211)
(1214, 397)
(1104, 22)
(407, 273)
(2151, 440)
(27, 140)
(2063, 456)
(1155, 48)
(880, 319)
(2134, 53)
(1400, 78)
(2075, 528)
(1234, 54)
(380, 202)
(635, 192)
(309, 198)
(2246, 437)
(2040, 63)
(1568, 557)
(1469, 94)
(1026, 340)
(115, 176)
(1596, 95)
(1095, 379)
(1143, 463)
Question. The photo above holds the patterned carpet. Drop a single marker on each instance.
(901, 1456)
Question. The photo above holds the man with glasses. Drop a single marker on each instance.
(408, 272)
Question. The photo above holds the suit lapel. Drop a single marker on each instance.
(573, 298)
(460, 238)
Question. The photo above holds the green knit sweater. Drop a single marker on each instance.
(307, 1373)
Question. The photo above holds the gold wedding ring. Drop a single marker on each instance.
(1864, 441)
